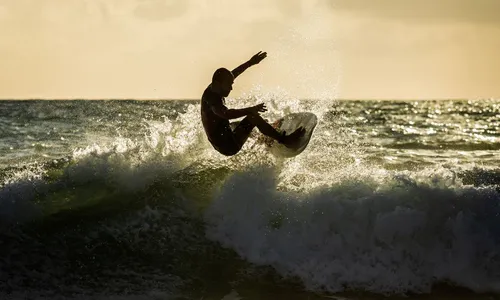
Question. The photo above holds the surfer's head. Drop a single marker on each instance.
(222, 81)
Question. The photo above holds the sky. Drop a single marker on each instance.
(329, 49)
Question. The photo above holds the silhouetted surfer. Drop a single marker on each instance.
(215, 115)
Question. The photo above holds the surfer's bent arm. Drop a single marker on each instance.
(222, 111)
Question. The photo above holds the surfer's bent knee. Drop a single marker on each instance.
(254, 117)
(229, 150)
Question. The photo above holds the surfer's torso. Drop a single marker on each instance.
(217, 129)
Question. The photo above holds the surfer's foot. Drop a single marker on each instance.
(291, 139)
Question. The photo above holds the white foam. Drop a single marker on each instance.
(363, 233)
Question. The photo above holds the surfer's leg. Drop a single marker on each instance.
(268, 130)
(264, 127)
(242, 131)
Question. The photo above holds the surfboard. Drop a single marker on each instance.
(289, 124)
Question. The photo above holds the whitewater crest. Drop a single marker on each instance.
(394, 235)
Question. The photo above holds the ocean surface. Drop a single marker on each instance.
(126, 199)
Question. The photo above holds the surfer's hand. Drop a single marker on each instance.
(258, 108)
(257, 58)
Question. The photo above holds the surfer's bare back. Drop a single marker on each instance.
(215, 115)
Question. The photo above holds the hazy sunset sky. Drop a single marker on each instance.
(169, 49)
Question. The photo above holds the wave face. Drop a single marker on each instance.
(133, 203)
(392, 235)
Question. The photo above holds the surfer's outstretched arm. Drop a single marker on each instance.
(257, 58)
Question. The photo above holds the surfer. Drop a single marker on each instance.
(215, 115)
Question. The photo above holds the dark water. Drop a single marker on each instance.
(127, 200)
